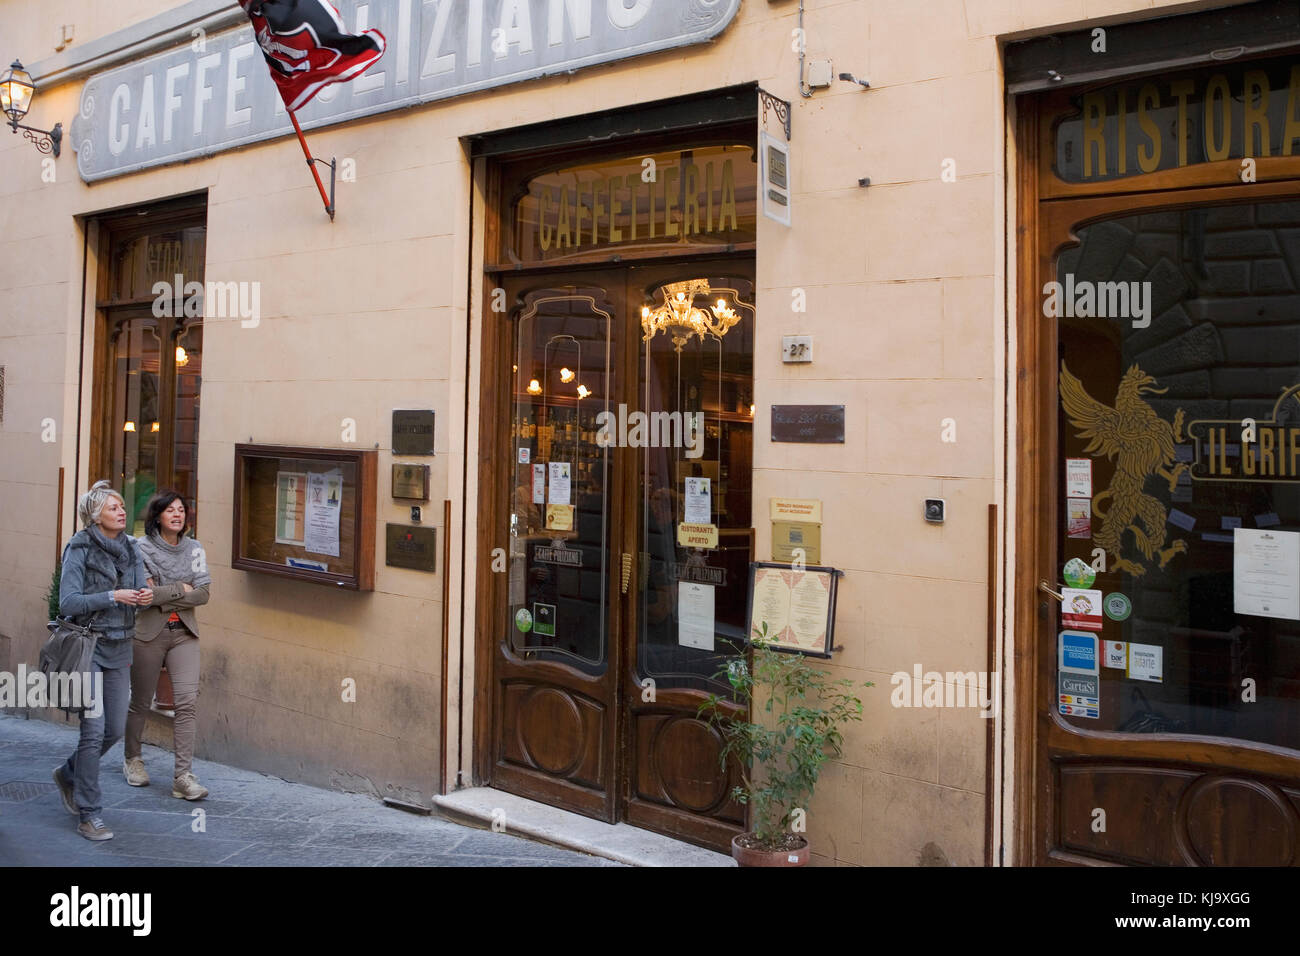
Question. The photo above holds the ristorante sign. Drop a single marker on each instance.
(215, 93)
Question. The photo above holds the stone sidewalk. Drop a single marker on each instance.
(250, 819)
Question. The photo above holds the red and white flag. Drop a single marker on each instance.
(307, 47)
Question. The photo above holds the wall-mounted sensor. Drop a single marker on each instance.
(935, 509)
(850, 78)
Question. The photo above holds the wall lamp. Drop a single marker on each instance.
(16, 92)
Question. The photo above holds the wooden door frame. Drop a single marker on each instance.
(1046, 212)
(494, 412)
(493, 400)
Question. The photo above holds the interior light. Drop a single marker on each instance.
(534, 387)
(566, 375)
(182, 359)
(583, 391)
(129, 427)
(153, 427)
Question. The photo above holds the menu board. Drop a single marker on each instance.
(797, 607)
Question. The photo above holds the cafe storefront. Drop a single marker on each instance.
(1038, 284)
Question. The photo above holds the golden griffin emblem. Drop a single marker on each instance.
(1142, 444)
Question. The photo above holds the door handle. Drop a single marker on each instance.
(1045, 586)
(627, 570)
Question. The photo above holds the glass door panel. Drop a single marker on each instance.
(136, 420)
(695, 434)
(185, 427)
(561, 490)
(1179, 395)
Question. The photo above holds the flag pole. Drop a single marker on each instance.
(328, 200)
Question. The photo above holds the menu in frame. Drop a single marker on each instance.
(797, 606)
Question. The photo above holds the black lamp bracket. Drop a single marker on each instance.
(779, 106)
(47, 141)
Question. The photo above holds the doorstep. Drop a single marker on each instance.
(620, 842)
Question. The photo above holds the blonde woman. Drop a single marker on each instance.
(101, 585)
(167, 633)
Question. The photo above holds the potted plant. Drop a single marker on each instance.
(52, 594)
(795, 715)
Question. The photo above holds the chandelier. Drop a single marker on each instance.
(680, 318)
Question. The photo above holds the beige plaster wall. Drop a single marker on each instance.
(905, 284)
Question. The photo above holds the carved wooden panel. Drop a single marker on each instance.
(555, 731)
(677, 765)
(1173, 816)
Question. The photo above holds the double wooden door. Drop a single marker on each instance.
(624, 411)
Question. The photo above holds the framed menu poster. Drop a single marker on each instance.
(796, 605)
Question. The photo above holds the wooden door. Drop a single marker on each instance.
(1179, 742)
(601, 662)
(688, 622)
(557, 603)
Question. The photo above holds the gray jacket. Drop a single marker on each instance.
(89, 577)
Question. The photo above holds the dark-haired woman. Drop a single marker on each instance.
(167, 633)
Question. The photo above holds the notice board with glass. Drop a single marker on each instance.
(305, 513)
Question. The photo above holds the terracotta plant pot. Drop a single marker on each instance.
(745, 856)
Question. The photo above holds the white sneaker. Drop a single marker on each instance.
(133, 770)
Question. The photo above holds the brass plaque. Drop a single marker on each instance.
(411, 546)
(411, 482)
(788, 535)
(815, 424)
(412, 431)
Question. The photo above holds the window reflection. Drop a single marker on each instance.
(1158, 410)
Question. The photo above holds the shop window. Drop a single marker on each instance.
(1180, 404)
(149, 370)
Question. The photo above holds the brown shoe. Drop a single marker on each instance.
(133, 770)
(94, 829)
(187, 787)
(65, 791)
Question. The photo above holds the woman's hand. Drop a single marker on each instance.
(146, 596)
(188, 587)
(125, 596)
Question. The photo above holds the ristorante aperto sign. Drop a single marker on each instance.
(214, 93)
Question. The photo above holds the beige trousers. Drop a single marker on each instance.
(179, 650)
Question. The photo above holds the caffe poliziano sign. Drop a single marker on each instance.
(215, 94)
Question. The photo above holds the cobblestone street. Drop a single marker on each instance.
(250, 819)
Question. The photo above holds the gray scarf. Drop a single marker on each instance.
(173, 564)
